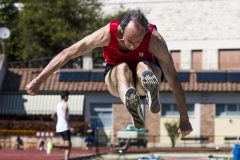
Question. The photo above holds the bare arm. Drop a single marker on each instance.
(65, 109)
(53, 116)
(99, 38)
(159, 48)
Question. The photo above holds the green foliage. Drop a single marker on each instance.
(9, 16)
(47, 27)
(8, 12)
(172, 129)
(44, 28)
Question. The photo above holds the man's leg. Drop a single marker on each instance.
(66, 145)
(119, 81)
(67, 151)
(148, 82)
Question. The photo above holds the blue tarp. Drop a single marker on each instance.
(236, 152)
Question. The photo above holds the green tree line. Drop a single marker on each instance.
(41, 28)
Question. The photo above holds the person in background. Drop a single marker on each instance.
(42, 143)
(89, 139)
(19, 143)
(61, 116)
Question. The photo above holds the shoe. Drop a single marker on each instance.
(49, 147)
(150, 84)
(132, 103)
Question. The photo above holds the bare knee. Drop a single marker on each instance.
(68, 144)
(144, 65)
(123, 70)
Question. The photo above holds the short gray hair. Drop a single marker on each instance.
(136, 16)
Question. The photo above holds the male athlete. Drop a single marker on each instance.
(61, 116)
(136, 58)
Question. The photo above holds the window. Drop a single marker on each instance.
(101, 114)
(227, 110)
(229, 59)
(176, 59)
(197, 60)
(172, 110)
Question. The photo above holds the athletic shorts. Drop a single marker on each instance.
(109, 67)
(66, 135)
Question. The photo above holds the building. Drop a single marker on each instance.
(203, 38)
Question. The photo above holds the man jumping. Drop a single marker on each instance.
(136, 57)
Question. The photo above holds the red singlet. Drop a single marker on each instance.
(112, 55)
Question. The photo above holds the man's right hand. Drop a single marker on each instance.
(33, 87)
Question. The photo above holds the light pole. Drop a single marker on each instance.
(3, 47)
(4, 34)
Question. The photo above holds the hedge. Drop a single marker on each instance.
(79, 127)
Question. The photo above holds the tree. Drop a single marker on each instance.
(9, 15)
(44, 28)
(47, 27)
(172, 129)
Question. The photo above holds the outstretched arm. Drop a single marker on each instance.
(159, 48)
(99, 38)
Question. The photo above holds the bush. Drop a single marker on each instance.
(172, 129)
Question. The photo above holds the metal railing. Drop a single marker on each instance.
(42, 63)
(153, 141)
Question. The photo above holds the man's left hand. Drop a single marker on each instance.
(185, 127)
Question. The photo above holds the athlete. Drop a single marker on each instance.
(136, 57)
(61, 116)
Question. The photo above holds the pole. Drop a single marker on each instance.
(97, 156)
(3, 47)
(96, 136)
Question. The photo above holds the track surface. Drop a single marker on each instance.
(58, 154)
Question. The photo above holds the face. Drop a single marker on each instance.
(132, 36)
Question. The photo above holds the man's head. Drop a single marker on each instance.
(134, 27)
(64, 95)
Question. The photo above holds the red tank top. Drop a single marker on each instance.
(112, 55)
